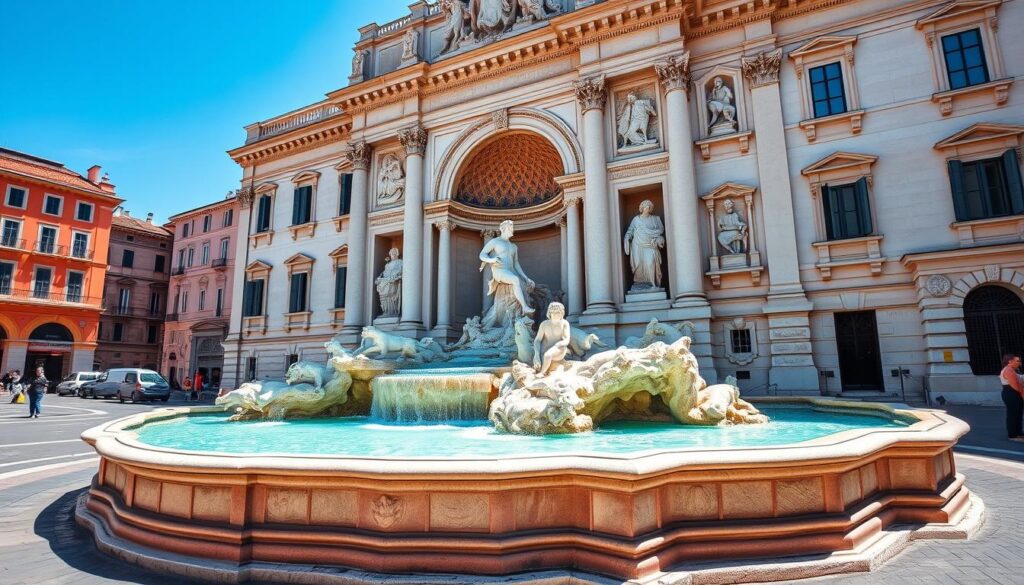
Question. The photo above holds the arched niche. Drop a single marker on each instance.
(513, 170)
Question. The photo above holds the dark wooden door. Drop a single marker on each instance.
(860, 362)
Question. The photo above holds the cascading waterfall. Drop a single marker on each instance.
(433, 397)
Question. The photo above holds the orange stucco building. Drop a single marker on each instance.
(54, 234)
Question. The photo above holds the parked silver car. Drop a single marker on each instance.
(69, 385)
(135, 384)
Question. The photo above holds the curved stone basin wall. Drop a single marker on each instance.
(624, 517)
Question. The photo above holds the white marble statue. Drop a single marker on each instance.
(723, 113)
(389, 285)
(524, 339)
(620, 383)
(409, 43)
(481, 20)
(308, 389)
(732, 230)
(643, 242)
(509, 284)
(390, 181)
(551, 345)
(634, 120)
(375, 342)
(580, 342)
(357, 63)
(664, 332)
(455, 20)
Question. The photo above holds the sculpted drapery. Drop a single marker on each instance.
(643, 242)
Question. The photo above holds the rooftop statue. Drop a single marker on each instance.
(484, 19)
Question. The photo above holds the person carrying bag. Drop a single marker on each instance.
(36, 390)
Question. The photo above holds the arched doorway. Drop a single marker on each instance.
(3, 344)
(994, 319)
(48, 346)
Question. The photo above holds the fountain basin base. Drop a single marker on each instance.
(624, 517)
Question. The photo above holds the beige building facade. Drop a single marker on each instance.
(201, 286)
(837, 185)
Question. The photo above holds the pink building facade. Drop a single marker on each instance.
(199, 305)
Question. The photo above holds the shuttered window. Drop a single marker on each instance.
(340, 276)
(986, 188)
(252, 301)
(847, 210)
(263, 214)
(345, 203)
(302, 205)
(297, 295)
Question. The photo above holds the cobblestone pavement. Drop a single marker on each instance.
(43, 469)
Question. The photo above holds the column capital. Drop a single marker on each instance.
(414, 139)
(445, 225)
(763, 68)
(571, 201)
(358, 154)
(674, 72)
(590, 93)
(245, 196)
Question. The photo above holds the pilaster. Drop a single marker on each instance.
(356, 313)
(414, 139)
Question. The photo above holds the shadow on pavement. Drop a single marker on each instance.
(75, 547)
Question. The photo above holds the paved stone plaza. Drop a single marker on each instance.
(44, 468)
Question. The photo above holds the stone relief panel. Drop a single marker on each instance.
(390, 181)
(636, 125)
(483, 21)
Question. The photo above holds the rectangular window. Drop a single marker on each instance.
(345, 204)
(11, 231)
(250, 369)
(847, 212)
(740, 340)
(124, 296)
(159, 262)
(181, 258)
(827, 90)
(151, 334)
(987, 188)
(340, 276)
(191, 256)
(83, 212)
(202, 300)
(263, 214)
(6, 277)
(16, 197)
(118, 331)
(965, 59)
(302, 205)
(228, 218)
(219, 309)
(41, 284)
(184, 301)
(252, 301)
(297, 298)
(128, 258)
(73, 290)
(184, 230)
(204, 257)
(154, 304)
(79, 245)
(207, 223)
(224, 244)
(47, 240)
(52, 205)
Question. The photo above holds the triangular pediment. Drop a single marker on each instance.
(341, 250)
(980, 132)
(821, 44)
(957, 9)
(306, 176)
(299, 259)
(839, 160)
(729, 190)
(257, 265)
(267, 187)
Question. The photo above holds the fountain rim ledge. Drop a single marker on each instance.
(117, 441)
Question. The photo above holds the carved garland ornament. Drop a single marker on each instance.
(414, 139)
(674, 73)
(939, 285)
(358, 155)
(762, 69)
(591, 94)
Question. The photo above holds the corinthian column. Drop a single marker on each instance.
(414, 139)
(683, 229)
(574, 292)
(358, 154)
(444, 274)
(592, 97)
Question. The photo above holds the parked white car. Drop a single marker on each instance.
(73, 381)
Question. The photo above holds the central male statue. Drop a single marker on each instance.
(503, 257)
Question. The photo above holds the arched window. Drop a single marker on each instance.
(994, 318)
(51, 332)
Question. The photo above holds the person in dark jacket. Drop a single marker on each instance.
(36, 390)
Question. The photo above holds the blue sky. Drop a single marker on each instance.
(156, 91)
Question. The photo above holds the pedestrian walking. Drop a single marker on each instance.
(187, 387)
(197, 385)
(36, 390)
(15, 387)
(1013, 397)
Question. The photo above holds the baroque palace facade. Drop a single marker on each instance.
(837, 186)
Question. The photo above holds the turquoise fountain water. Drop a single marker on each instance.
(368, 437)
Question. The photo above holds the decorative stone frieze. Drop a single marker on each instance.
(590, 93)
(763, 68)
(500, 119)
(674, 72)
(414, 139)
(245, 196)
(358, 155)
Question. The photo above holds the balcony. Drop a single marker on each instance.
(179, 271)
(220, 263)
(47, 296)
(80, 253)
(12, 244)
(171, 317)
(290, 121)
(50, 248)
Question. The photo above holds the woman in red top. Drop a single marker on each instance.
(1013, 397)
